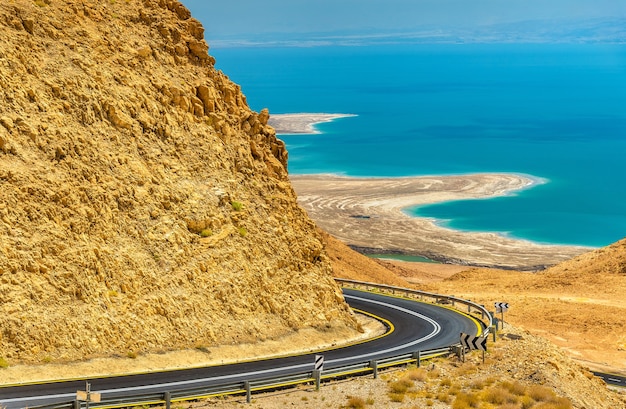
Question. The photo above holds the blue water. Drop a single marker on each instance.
(556, 112)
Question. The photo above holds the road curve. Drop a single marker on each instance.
(414, 326)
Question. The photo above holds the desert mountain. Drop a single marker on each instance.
(610, 259)
(143, 205)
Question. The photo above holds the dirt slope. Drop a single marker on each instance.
(571, 316)
(143, 205)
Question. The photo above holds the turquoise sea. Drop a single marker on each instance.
(553, 111)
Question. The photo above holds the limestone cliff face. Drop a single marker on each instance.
(143, 205)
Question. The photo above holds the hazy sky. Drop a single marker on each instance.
(246, 18)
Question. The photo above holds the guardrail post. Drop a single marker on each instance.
(246, 385)
(374, 366)
(76, 404)
(493, 330)
(418, 358)
(318, 379)
(167, 397)
(459, 351)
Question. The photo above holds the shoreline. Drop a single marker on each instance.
(369, 213)
(302, 123)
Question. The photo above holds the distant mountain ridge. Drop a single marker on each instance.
(143, 205)
(598, 30)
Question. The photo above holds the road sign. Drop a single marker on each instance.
(474, 343)
(319, 362)
(501, 306)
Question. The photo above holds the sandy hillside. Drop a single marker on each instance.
(143, 206)
(578, 305)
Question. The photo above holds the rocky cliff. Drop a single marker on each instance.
(143, 205)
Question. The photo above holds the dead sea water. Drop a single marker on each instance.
(556, 112)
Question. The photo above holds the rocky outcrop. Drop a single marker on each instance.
(143, 205)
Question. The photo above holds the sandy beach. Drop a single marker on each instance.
(367, 213)
(301, 123)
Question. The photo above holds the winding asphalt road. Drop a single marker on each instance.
(414, 326)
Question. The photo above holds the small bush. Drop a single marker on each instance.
(443, 397)
(206, 233)
(3, 363)
(466, 369)
(237, 206)
(131, 354)
(541, 393)
(243, 232)
(515, 388)
(477, 384)
(466, 401)
(417, 374)
(509, 406)
(499, 396)
(396, 397)
(400, 386)
(355, 402)
(434, 373)
(455, 389)
(446, 382)
(490, 380)
(527, 402)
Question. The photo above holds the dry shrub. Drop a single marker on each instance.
(417, 374)
(444, 397)
(434, 373)
(558, 403)
(466, 401)
(400, 386)
(527, 402)
(540, 393)
(455, 389)
(396, 397)
(490, 380)
(499, 396)
(515, 388)
(466, 369)
(446, 382)
(354, 402)
(509, 406)
(476, 384)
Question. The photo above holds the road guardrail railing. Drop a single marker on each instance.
(469, 306)
(310, 377)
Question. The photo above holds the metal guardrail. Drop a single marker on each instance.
(273, 383)
(450, 300)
